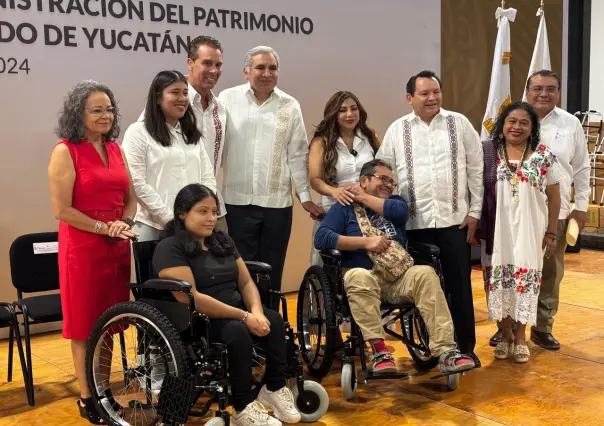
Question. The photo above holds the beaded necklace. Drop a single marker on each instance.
(514, 179)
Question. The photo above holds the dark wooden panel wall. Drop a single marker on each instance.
(469, 31)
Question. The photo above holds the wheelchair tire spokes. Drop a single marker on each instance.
(148, 350)
(417, 340)
(316, 321)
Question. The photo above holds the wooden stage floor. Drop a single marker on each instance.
(564, 387)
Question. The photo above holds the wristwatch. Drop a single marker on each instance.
(128, 221)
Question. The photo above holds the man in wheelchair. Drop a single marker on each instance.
(368, 283)
(224, 291)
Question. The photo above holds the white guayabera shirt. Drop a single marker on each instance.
(563, 134)
(211, 122)
(439, 168)
(266, 148)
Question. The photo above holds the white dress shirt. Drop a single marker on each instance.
(266, 147)
(160, 172)
(563, 134)
(348, 167)
(439, 168)
(211, 124)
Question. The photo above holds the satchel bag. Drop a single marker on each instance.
(392, 263)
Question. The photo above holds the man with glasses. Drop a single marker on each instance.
(266, 148)
(437, 155)
(563, 134)
(366, 288)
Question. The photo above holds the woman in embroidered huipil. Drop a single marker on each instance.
(165, 153)
(342, 143)
(518, 224)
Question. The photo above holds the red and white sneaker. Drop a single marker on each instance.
(383, 362)
(455, 362)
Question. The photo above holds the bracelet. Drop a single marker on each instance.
(245, 316)
(97, 227)
(551, 234)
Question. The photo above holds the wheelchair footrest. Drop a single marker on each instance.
(452, 373)
(175, 399)
(377, 376)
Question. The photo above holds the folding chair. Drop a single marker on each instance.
(8, 319)
(34, 268)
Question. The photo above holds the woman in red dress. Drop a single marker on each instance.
(93, 198)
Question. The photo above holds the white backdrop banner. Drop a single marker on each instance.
(368, 47)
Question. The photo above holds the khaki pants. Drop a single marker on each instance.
(552, 274)
(420, 284)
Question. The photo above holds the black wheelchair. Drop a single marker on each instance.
(168, 359)
(323, 306)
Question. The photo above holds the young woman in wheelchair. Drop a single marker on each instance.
(195, 252)
(374, 225)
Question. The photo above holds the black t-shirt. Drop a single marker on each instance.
(215, 276)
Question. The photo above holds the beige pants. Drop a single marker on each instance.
(420, 284)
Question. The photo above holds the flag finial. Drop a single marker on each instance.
(541, 4)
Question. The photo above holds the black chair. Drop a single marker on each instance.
(34, 268)
(8, 319)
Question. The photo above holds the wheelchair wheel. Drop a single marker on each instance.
(316, 401)
(348, 380)
(131, 349)
(415, 329)
(316, 322)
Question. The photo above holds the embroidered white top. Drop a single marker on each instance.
(159, 172)
(266, 148)
(348, 167)
(439, 168)
(211, 124)
(563, 134)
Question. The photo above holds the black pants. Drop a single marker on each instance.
(239, 342)
(262, 234)
(455, 257)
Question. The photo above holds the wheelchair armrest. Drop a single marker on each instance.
(163, 284)
(331, 253)
(258, 267)
(424, 250)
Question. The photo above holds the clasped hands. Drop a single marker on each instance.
(257, 324)
(119, 229)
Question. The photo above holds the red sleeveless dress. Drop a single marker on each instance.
(93, 271)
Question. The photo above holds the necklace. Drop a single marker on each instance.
(514, 179)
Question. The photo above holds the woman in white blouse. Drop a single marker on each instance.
(165, 153)
(342, 143)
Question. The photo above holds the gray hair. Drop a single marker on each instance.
(258, 50)
(369, 167)
(71, 117)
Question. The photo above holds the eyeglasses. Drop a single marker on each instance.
(548, 89)
(99, 112)
(385, 180)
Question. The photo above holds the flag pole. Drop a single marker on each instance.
(503, 4)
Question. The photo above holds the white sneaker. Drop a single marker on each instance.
(253, 415)
(281, 402)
